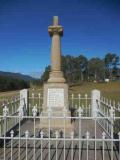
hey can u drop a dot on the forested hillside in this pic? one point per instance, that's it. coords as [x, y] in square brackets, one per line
[80, 68]
[8, 83]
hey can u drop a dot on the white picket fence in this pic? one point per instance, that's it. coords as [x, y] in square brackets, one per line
[94, 119]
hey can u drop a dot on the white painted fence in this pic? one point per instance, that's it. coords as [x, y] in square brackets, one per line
[94, 123]
[32, 137]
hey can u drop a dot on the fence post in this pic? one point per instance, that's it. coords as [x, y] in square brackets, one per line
[24, 101]
[11, 134]
[95, 102]
[0, 127]
[56, 135]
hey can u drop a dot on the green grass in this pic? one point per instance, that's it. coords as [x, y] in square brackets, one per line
[109, 90]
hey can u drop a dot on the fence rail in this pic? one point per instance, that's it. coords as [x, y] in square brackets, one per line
[31, 138]
[94, 135]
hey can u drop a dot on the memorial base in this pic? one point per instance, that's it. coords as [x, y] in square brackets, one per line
[56, 109]
[56, 123]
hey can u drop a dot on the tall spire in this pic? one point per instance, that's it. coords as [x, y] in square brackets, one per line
[56, 31]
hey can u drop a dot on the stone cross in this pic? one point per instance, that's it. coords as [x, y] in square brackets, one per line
[55, 21]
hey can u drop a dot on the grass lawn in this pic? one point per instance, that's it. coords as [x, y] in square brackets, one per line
[9, 94]
[109, 90]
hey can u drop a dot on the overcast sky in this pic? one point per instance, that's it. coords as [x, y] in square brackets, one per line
[91, 28]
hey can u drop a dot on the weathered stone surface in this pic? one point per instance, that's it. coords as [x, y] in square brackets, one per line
[55, 86]
[56, 32]
[55, 96]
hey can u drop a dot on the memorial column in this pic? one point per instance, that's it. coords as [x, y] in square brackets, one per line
[56, 31]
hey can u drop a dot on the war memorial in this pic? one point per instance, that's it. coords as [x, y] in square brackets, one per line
[39, 125]
[55, 96]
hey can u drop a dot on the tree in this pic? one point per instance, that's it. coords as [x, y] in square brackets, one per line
[96, 69]
[7, 83]
[112, 62]
[77, 69]
[68, 68]
[82, 66]
[45, 75]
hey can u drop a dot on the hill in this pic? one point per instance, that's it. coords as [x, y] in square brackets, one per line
[16, 76]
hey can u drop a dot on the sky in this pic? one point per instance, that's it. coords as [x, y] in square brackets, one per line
[91, 28]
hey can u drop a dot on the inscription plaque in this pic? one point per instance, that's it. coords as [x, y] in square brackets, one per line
[55, 97]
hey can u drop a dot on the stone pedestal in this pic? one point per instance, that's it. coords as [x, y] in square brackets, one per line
[56, 106]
